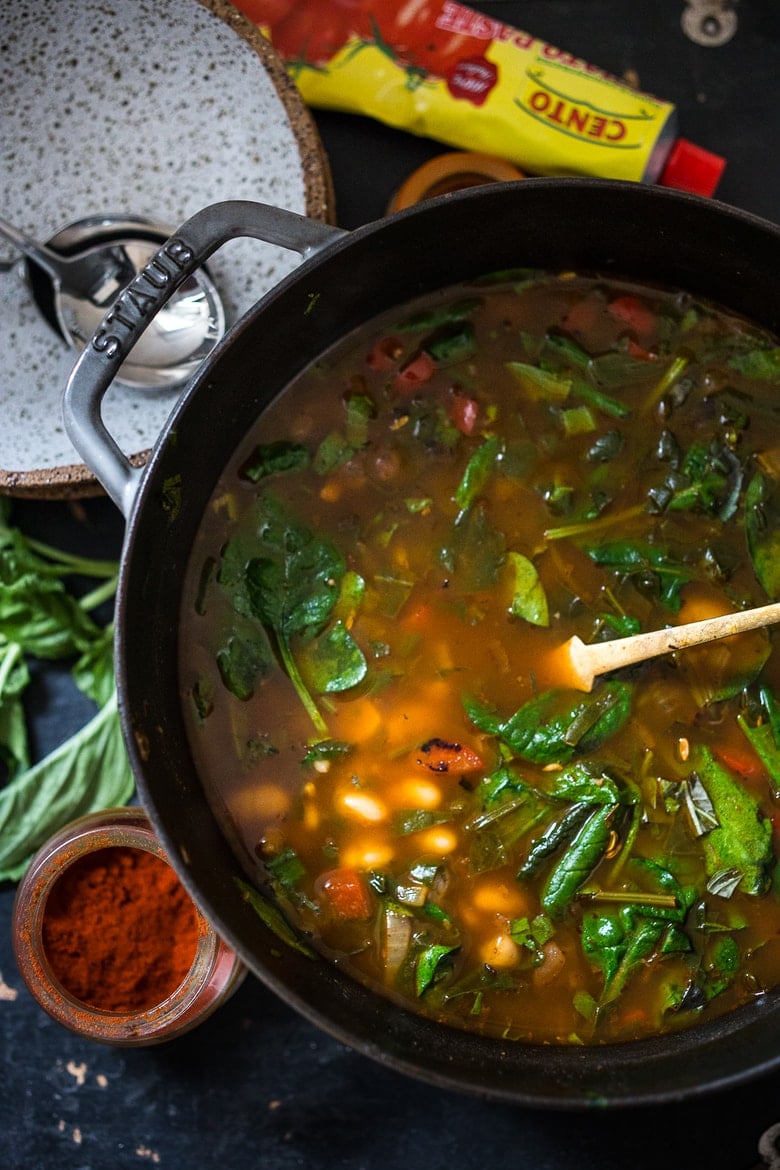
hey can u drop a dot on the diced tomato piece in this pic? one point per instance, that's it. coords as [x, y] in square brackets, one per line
[464, 412]
[743, 762]
[417, 618]
[633, 313]
[582, 315]
[640, 353]
[444, 755]
[415, 373]
[385, 354]
[347, 893]
[268, 12]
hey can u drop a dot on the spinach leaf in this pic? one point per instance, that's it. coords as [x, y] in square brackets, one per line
[719, 968]
[333, 662]
[292, 588]
[762, 526]
[429, 965]
[243, 660]
[559, 723]
[758, 363]
[743, 838]
[529, 600]
[711, 480]
[340, 445]
[475, 552]
[639, 944]
[269, 458]
[617, 946]
[477, 472]
[453, 345]
[647, 562]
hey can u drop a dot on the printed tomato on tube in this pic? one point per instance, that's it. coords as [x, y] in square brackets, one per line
[441, 70]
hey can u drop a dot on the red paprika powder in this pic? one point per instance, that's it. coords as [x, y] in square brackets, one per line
[109, 942]
[119, 930]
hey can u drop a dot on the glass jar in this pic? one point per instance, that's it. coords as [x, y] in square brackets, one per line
[215, 973]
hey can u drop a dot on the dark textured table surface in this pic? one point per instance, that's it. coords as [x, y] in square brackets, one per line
[256, 1086]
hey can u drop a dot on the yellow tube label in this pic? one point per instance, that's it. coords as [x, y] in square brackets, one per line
[481, 85]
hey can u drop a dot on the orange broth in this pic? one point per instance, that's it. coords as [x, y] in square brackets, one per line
[368, 665]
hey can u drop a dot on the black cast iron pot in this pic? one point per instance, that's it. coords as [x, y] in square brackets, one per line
[345, 279]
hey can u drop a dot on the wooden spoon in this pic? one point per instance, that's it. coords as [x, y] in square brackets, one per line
[586, 662]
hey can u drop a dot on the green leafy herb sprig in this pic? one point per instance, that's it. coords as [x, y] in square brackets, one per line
[42, 618]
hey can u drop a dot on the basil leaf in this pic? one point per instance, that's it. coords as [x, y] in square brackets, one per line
[14, 678]
[578, 862]
[543, 730]
[273, 918]
[557, 834]
[89, 771]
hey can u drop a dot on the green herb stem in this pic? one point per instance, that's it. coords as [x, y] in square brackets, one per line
[98, 595]
[587, 527]
[667, 380]
[83, 566]
[627, 898]
[294, 674]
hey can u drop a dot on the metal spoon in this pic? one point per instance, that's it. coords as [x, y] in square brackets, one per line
[78, 275]
[583, 662]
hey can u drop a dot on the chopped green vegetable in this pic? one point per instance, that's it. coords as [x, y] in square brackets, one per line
[529, 600]
[743, 838]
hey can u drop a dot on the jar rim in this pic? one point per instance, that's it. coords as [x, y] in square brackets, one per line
[112, 828]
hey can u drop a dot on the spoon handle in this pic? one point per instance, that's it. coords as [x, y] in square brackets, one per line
[48, 261]
[588, 661]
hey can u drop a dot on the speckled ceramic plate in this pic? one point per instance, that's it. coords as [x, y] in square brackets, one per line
[153, 108]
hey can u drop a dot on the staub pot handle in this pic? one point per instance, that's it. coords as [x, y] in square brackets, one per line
[137, 305]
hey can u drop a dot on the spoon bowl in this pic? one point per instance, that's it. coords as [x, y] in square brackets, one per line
[77, 275]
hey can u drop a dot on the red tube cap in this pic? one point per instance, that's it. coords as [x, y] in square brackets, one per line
[691, 168]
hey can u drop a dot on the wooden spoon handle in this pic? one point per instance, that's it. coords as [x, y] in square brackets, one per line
[589, 661]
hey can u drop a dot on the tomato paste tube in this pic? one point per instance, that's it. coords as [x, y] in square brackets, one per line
[441, 70]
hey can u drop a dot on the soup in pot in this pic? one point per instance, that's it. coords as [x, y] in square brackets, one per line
[373, 683]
